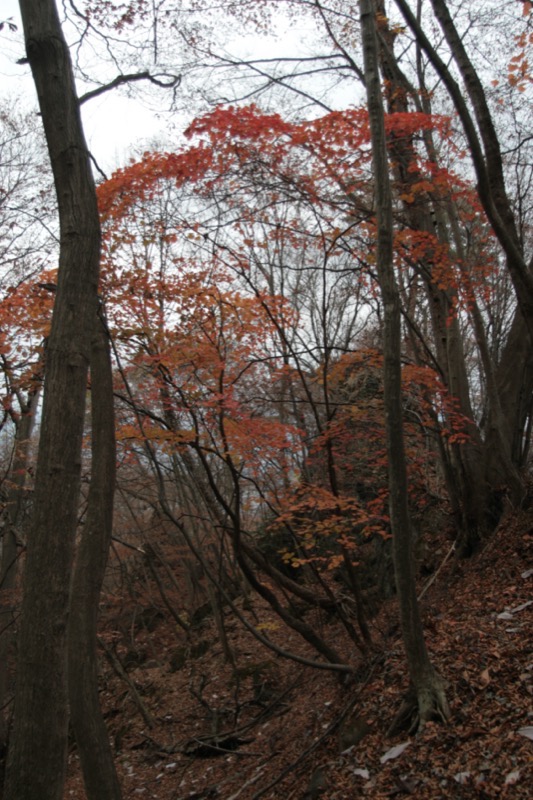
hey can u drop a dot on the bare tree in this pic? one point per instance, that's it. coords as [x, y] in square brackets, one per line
[429, 700]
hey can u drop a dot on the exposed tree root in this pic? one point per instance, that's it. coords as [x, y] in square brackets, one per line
[426, 704]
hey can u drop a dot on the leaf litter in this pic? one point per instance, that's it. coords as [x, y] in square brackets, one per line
[288, 743]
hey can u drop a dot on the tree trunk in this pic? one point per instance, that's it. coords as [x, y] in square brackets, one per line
[514, 379]
[100, 778]
[14, 517]
[427, 685]
[37, 751]
[484, 148]
[482, 463]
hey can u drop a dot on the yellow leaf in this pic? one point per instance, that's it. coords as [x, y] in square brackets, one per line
[267, 626]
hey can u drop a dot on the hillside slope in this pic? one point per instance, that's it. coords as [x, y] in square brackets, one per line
[188, 725]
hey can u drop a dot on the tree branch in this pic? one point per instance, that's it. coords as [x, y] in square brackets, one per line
[165, 80]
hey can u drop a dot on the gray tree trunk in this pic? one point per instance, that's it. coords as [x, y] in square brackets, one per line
[37, 750]
[428, 691]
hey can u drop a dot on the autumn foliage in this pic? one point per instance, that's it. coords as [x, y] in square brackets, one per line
[222, 351]
[287, 381]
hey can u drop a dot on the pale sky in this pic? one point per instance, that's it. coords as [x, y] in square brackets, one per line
[115, 124]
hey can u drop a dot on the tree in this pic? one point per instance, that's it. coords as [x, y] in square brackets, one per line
[23, 311]
[485, 470]
[96, 757]
[236, 304]
[28, 231]
[510, 395]
[484, 148]
[172, 213]
[427, 685]
[28, 245]
[219, 369]
[37, 751]
[474, 481]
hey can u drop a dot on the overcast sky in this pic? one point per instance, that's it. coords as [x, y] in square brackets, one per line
[114, 124]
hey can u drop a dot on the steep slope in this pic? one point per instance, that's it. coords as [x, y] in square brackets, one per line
[188, 724]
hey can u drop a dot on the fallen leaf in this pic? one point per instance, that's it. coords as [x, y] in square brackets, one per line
[485, 677]
[394, 752]
[362, 773]
[527, 732]
[521, 607]
[512, 777]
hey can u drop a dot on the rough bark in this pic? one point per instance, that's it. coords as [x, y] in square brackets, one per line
[427, 685]
[514, 379]
[99, 775]
[37, 751]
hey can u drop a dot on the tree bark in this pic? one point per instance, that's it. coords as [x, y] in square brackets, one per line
[99, 774]
[37, 751]
[514, 379]
[11, 540]
[428, 686]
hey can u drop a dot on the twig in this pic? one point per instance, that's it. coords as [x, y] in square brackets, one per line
[164, 79]
[435, 574]
[121, 672]
[249, 782]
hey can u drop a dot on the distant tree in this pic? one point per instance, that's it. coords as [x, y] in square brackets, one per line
[505, 432]
[24, 312]
[279, 216]
[15, 499]
[28, 250]
[450, 324]
[28, 227]
[28, 245]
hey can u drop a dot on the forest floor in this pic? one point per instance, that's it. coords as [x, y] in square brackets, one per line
[285, 730]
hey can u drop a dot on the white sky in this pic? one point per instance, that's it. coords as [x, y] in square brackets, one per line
[114, 124]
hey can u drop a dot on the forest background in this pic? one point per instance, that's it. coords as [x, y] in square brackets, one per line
[302, 335]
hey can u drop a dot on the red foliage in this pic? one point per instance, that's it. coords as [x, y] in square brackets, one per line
[202, 342]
